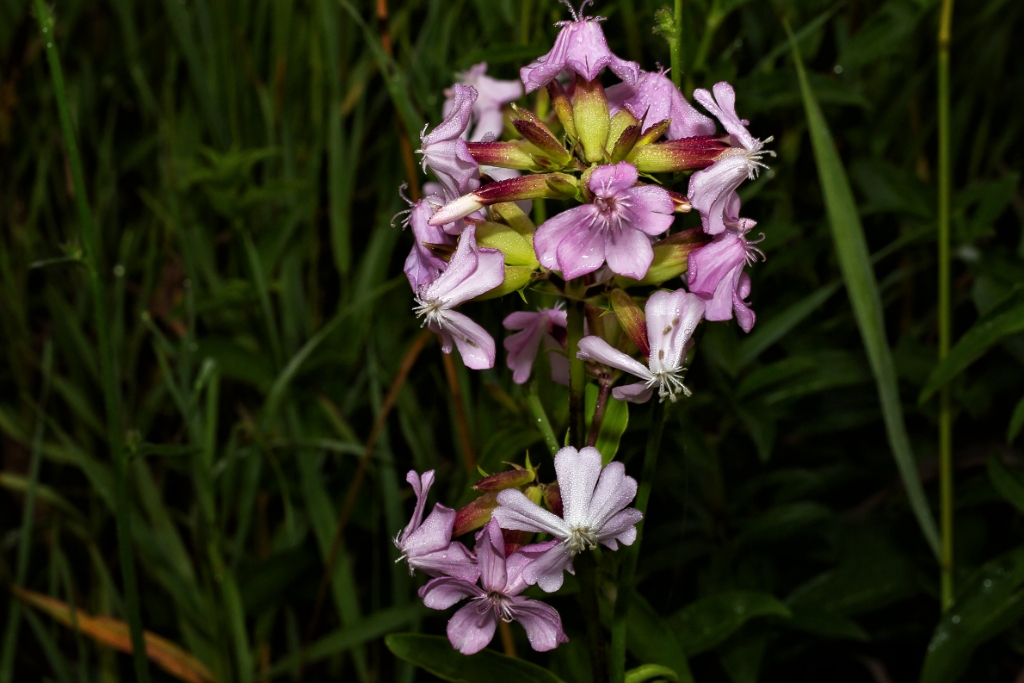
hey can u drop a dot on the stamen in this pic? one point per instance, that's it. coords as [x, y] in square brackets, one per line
[580, 538]
[670, 384]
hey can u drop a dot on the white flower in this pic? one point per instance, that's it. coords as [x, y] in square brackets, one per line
[593, 503]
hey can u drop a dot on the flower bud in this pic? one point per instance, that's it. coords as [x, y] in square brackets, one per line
[516, 277]
[625, 142]
[475, 514]
[563, 108]
[518, 250]
[590, 114]
[499, 481]
[632, 319]
[517, 154]
[671, 257]
[514, 217]
[684, 154]
[534, 130]
[539, 186]
[553, 499]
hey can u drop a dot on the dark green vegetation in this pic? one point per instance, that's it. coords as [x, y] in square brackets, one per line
[241, 162]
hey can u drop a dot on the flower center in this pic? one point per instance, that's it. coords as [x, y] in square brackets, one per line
[499, 602]
[669, 383]
[431, 311]
[580, 538]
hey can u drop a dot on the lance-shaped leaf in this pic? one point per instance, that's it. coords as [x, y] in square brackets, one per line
[563, 108]
[632, 319]
[671, 256]
[518, 250]
[114, 633]
[540, 186]
[684, 154]
[535, 132]
[517, 154]
[590, 114]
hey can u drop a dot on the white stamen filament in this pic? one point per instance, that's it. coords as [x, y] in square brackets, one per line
[669, 383]
[499, 602]
[580, 538]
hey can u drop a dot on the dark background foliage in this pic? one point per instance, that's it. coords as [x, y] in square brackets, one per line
[242, 161]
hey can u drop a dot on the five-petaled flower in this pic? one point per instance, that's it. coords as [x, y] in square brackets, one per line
[426, 544]
[496, 598]
[594, 500]
[614, 227]
[471, 272]
[671, 320]
[534, 327]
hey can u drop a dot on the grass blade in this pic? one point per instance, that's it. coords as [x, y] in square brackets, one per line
[862, 287]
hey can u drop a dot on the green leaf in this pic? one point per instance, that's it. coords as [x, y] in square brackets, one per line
[869, 580]
[852, 250]
[825, 624]
[613, 424]
[652, 639]
[436, 655]
[988, 605]
[1008, 482]
[651, 672]
[707, 622]
[1005, 318]
[1016, 422]
[782, 521]
[777, 326]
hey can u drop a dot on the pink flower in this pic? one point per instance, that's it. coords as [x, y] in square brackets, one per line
[422, 266]
[522, 346]
[471, 272]
[427, 544]
[715, 271]
[594, 501]
[580, 48]
[671, 319]
[711, 189]
[654, 99]
[445, 152]
[492, 94]
[498, 597]
[614, 227]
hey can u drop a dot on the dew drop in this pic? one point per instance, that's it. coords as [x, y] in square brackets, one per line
[955, 619]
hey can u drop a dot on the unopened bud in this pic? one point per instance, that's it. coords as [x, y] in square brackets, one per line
[590, 113]
[514, 217]
[632, 319]
[535, 132]
[476, 514]
[563, 108]
[499, 481]
[516, 154]
[680, 203]
[684, 154]
[539, 186]
[670, 257]
[553, 499]
[518, 250]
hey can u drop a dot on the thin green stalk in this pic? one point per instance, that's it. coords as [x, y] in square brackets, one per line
[27, 516]
[627, 573]
[676, 45]
[91, 257]
[586, 574]
[541, 419]
[577, 374]
[945, 410]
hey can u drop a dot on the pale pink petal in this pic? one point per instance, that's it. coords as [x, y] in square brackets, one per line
[433, 534]
[621, 526]
[522, 346]
[542, 623]
[470, 630]
[455, 561]
[716, 261]
[711, 189]
[744, 315]
[612, 180]
[577, 472]
[489, 125]
[581, 251]
[651, 208]
[671, 319]
[518, 561]
[420, 486]
[597, 349]
[640, 392]
[559, 362]
[552, 231]
[517, 512]
[443, 592]
[476, 346]
[457, 119]
[615, 490]
[546, 570]
[490, 557]
[629, 252]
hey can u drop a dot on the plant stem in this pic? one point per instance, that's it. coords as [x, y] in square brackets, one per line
[91, 258]
[541, 418]
[599, 410]
[586, 574]
[577, 374]
[627, 573]
[945, 409]
[676, 45]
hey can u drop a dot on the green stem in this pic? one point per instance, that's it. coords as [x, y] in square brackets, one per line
[945, 408]
[586, 574]
[627, 573]
[676, 46]
[577, 374]
[91, 258]
[541, 419]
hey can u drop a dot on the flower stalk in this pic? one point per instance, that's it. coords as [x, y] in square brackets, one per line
[577, 373]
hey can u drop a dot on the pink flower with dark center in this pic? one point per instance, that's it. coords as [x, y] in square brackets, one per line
[488, 121]
[547, 325]
[496, 598]
[445, 152]
[471, 272]
[654, 99]
[580, 48]
[710, 189]
[671, 319]
[615, 227]
[715, 271]
[427, 544]
[594, 500]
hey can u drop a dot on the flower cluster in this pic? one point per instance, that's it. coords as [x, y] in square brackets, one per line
[600, 274]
